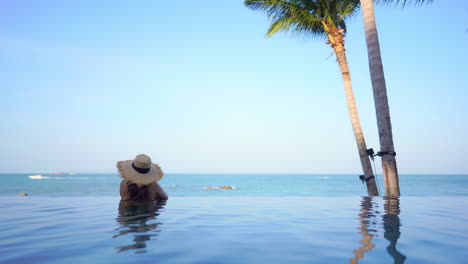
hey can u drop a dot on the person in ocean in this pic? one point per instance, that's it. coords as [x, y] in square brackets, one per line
[140, 180]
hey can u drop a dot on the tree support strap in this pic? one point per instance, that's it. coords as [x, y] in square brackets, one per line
[363, 178]
[371, 154]
[381, 153]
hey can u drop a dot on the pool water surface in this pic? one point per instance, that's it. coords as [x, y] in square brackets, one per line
[235, 230]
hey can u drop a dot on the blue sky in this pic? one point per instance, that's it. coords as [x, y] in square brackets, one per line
[198, 87]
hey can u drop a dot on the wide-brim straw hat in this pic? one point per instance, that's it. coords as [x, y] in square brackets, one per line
[140, 171]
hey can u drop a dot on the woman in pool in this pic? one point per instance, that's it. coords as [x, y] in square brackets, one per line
[140, 178]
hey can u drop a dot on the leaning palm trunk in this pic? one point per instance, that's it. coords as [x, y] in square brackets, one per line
[381, 102]
[337, 43]
[321, 18]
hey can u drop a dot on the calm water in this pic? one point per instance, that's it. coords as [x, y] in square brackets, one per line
[235, 230]
[266, 219]
[246, 185]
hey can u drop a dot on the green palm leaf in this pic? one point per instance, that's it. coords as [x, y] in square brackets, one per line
[305, 16]
[402, 2]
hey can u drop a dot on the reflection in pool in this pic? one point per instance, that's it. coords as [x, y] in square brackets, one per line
[232, 230]
[138, 219]
[391, 223]
[368, 229]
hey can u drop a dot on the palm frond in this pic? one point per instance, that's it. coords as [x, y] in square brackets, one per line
[403, 3]
[305, 16]
[343, 25]
[288, 15]
[305, 25]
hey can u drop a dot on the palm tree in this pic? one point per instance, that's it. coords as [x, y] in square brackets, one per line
[387, 150]
[322, 18]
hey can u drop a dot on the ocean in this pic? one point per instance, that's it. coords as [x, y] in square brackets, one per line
[253, 185]
[275, 218]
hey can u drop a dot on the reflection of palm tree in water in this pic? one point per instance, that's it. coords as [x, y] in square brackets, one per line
[391, 225]
[365, 216]
[132, 219]
[391, 222]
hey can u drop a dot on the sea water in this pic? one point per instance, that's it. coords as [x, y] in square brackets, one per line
[265, 219]
[243, 184]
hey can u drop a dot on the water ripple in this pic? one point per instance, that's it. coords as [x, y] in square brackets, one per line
[235, 230]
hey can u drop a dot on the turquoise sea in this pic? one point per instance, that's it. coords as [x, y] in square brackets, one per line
[183, 185]
[266, 219]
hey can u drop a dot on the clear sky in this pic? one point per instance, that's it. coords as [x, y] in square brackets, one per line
[198, 87]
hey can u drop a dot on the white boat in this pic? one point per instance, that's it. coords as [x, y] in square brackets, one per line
[38, 176]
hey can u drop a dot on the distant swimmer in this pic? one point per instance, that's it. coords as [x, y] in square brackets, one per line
[22, 194]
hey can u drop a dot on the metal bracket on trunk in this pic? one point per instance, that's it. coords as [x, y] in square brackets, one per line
[371, 154]
[381, 153]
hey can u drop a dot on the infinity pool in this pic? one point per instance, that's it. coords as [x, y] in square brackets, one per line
[235, 230]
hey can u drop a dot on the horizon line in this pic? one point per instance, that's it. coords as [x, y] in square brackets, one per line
[230, 173]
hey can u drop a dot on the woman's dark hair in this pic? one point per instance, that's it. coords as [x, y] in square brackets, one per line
[138, 193]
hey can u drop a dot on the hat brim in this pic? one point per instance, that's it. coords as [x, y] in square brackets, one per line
[127, 172]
